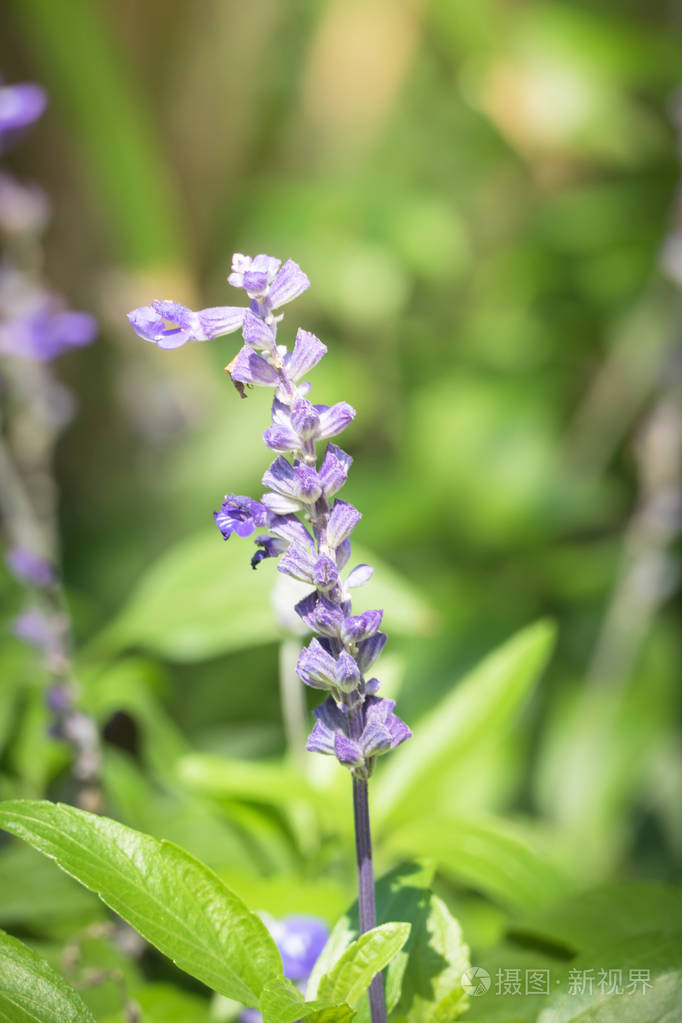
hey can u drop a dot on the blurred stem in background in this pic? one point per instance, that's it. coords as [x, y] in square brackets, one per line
[90, 80]
[638, 388]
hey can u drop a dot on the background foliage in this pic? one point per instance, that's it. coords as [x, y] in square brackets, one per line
[479, 193]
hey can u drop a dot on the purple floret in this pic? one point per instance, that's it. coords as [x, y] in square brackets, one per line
[240, 515]
[171, 325]
[383, 730]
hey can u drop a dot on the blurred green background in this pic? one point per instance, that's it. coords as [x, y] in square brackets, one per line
[479, 193]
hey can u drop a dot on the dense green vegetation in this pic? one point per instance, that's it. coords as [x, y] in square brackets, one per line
[480, 193]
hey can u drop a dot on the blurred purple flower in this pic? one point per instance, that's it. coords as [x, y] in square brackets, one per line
[29, 567]
[300, 939]
[20, 106]
[44, 329]
[34, 627]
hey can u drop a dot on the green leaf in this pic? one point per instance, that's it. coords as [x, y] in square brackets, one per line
[483, 704]
[173, 900]
[607, 915]
[423, 981]
[401, 894]
[432, 989]
[282, 1002]
[220, 605]
[656, 1000]
[32, 992]
[516, 863]
[34, 896]
[164, 1003]
[354, 971]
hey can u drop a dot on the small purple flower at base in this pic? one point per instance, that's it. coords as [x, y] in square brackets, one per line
[300, 939]
[383, 730]
[240, 515]
[29, 567]
[170, 325]
[20, 106]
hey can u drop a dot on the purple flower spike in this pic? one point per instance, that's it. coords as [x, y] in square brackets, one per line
[240, 515]
[342, 521]
[307, 527]
[20, 106]
[171, 325]
[30, 567]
